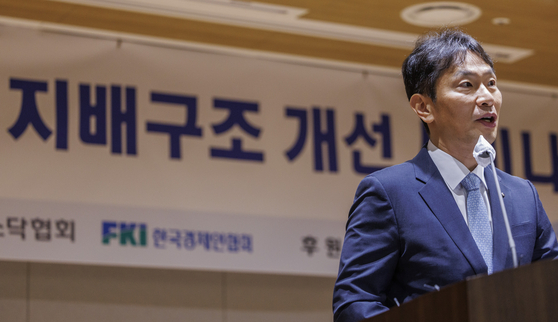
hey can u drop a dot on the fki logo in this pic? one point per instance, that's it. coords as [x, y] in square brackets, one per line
[127, 233]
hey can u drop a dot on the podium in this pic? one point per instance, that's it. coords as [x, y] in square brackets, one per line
[526, 293]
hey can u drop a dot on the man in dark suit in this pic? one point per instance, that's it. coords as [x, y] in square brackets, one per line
[412, 227]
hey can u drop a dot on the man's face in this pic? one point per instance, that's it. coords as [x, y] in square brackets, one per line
[467, 105]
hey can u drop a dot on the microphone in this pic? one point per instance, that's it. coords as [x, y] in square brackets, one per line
[484, 153]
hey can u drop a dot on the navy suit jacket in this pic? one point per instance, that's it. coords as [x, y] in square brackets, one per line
[405, 235]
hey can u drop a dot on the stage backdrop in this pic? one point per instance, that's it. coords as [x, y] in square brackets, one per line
[122, 150]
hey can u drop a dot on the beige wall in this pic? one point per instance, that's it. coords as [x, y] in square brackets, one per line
[36, 292]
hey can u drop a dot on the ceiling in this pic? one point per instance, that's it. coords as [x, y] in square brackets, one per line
[533, 25]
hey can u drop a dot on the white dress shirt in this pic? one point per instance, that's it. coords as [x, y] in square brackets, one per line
[453, 172]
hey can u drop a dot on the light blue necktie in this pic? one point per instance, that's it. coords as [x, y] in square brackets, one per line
[477, 215]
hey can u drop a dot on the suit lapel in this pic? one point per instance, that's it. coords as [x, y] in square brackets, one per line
[439, 199]
[501, 244]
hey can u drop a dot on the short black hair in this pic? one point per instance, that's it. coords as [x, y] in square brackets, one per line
[434, 53]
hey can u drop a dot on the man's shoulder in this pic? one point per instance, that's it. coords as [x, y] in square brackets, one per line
[406, 170]
[504, 176]
[395, 175]
[512, 181]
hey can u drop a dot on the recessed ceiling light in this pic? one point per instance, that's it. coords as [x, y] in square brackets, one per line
[501, 21]
[440, 14]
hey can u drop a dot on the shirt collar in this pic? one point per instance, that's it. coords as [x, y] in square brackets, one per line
[452, 170]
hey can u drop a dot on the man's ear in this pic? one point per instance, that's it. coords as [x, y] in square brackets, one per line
[422, 105]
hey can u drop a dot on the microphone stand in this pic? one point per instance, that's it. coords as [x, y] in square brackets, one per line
[506, 221]
[484, 153]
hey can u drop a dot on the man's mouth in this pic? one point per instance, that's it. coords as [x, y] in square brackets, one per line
[488, 119]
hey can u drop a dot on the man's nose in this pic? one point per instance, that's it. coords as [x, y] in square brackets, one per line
[485, 96]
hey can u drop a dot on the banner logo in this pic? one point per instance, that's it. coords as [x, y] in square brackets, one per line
[125, 233]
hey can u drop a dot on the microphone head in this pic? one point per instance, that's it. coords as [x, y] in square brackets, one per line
[484, 153]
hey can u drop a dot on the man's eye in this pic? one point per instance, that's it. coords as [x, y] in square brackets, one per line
[492, 83]
[466, 84]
